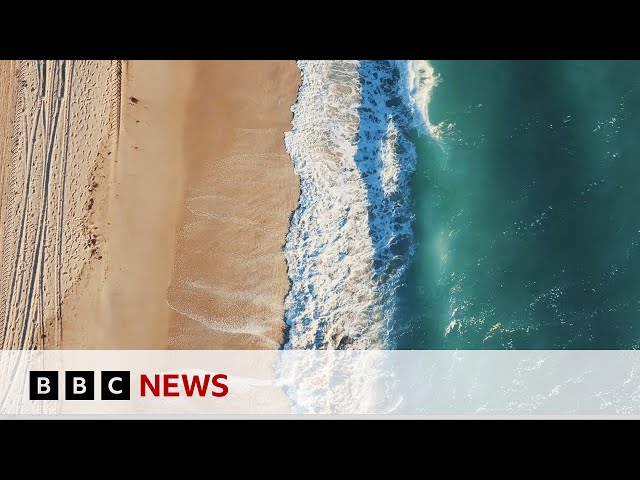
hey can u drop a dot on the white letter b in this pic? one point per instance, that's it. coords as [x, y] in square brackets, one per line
[79, 385]
[43, 385]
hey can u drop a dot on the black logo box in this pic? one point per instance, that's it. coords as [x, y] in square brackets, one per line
[80, 385]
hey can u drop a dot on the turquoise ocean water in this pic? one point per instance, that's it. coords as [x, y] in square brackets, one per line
[527, 226]
[466, 205]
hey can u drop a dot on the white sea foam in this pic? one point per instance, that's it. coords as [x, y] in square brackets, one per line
[390, 168]
[339, 382]
[420, 80]
[248, 326]
[350, 239]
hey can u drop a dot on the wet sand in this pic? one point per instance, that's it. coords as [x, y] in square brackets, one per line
[230, 279]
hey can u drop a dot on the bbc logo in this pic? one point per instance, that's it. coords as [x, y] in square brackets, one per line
[80, 385]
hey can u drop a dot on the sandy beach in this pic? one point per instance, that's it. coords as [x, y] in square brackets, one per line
[60, 138]
[145, 203]
[8, 96]
[230, 279]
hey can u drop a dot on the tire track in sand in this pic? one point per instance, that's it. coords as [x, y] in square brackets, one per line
[63, 120]
[115, 94]
[29, 150]
[38, 257]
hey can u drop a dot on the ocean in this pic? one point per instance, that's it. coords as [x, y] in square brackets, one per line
[465, 205]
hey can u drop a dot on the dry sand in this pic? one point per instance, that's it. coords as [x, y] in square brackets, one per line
[145, 187]
[147, 197]
[60, 137]
[144, 203]
[8, 97]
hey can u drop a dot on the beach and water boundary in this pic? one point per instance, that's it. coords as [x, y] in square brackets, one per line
[204, 205]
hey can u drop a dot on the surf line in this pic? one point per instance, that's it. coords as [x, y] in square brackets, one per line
[350, 239]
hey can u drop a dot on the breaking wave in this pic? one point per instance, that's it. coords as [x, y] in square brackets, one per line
[351, 238]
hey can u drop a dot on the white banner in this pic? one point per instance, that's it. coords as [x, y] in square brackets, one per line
[320, 382]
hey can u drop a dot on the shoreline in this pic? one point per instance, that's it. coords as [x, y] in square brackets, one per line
[230, 276]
